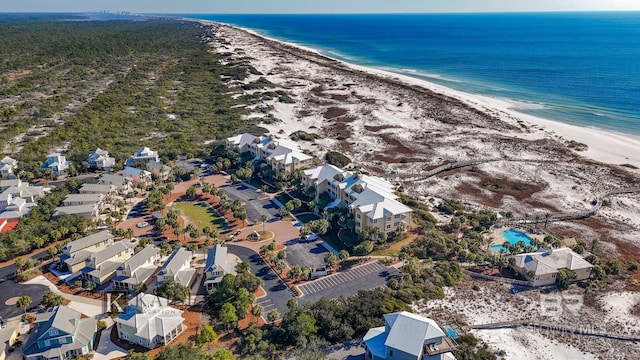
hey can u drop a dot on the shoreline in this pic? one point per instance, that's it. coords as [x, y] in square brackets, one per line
[605, 146]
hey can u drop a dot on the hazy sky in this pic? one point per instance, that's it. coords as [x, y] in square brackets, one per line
[312, 6]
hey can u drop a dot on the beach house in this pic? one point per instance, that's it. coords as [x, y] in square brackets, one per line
[149, 321]
[280, 154]
[17, 198]
[101, 266]
[57, 163]
[83, 199]
[136, 175]
[177, 268]
[60, 333]
[104, 189]
[100, 159]
[542, 267]
[89, 212]
[8, 167]
[369, 198]
[121, 184]
[143, 155]
[76, 252]
[407, 336]
[138, 269]
[8, 337]
[159, 170]
[217, 266]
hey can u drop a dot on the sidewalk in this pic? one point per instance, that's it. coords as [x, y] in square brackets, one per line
[106, 349]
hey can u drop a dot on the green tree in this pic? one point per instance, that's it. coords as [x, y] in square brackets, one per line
[24, 302]
[183, 352]
[207, 336]
[51, 299]
[90, 285]
[132, 355]
[228, 316]
[565, 277]
[191, 192]
[140, 288]
[273, 315]
[173, 291]
[223, 354]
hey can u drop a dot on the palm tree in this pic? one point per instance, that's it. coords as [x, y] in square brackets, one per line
[257, 311]
[263, 217]
[24, 302]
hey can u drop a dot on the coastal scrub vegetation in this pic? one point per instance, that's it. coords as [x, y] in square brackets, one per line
[117, 85]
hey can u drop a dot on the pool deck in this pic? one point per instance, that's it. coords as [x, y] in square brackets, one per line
[495, 234]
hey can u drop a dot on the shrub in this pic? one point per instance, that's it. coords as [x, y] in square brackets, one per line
[337, 159]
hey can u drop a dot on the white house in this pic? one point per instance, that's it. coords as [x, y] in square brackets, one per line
[217, 266]
[149, 321]
[138, 269]
[177, 268]
[100, 159]
[8, 167]
[136, 175]
[143, 155]
[407, 336]
[280, 154]
[101, 266]
[57, 163]
[369, 198]
[542, 267]
[60, 333]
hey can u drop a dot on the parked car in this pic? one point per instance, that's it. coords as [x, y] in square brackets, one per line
[311, 237]
[142, 224]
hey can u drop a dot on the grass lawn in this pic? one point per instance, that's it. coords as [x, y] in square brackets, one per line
[201, 216]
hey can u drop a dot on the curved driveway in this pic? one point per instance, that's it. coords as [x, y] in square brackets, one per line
[277, 291]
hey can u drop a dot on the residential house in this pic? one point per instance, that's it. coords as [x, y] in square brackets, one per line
[60, 333]
[100, 159]
[83, 199]
[76, 252]
[8, 337]
[217, 266]
[542, 267]
[14, 208]
[57, 163]
[369, 198]
[8, 167]
[406, 336]
[97, 189]
[136, 175]
[149, 321]
[7, 224]
[18, 189]
[101, 266]
[280, 154]
[138, 269]
[159, 170]
[89, 212]
[121, 184]
[144, 155]
[177, 268]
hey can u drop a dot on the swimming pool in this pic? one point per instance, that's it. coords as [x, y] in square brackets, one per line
[513, 236]
[452, 333]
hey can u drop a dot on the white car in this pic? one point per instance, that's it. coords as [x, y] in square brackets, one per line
[142, 224]
[311, 237]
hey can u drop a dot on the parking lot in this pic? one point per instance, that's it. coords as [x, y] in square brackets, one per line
[255, 207]
[348, 282]
[310, 254]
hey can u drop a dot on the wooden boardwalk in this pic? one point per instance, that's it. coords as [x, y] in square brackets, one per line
[587, 331]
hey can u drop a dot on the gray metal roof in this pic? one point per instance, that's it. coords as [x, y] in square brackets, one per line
[408, 332]
[111, 251]
[88, 241]
[175, 262]
[140, 258]
[101, 188]
[83, 197]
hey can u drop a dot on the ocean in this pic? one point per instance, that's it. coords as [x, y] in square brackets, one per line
[578, 68]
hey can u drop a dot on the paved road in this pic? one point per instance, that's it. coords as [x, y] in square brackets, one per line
[310, 254]
[277, 291]
[255, 207]
[348, 282]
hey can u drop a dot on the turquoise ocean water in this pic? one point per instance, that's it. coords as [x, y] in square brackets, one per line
[579, 68]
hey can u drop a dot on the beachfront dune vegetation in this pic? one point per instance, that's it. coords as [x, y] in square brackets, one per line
[117, 85]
